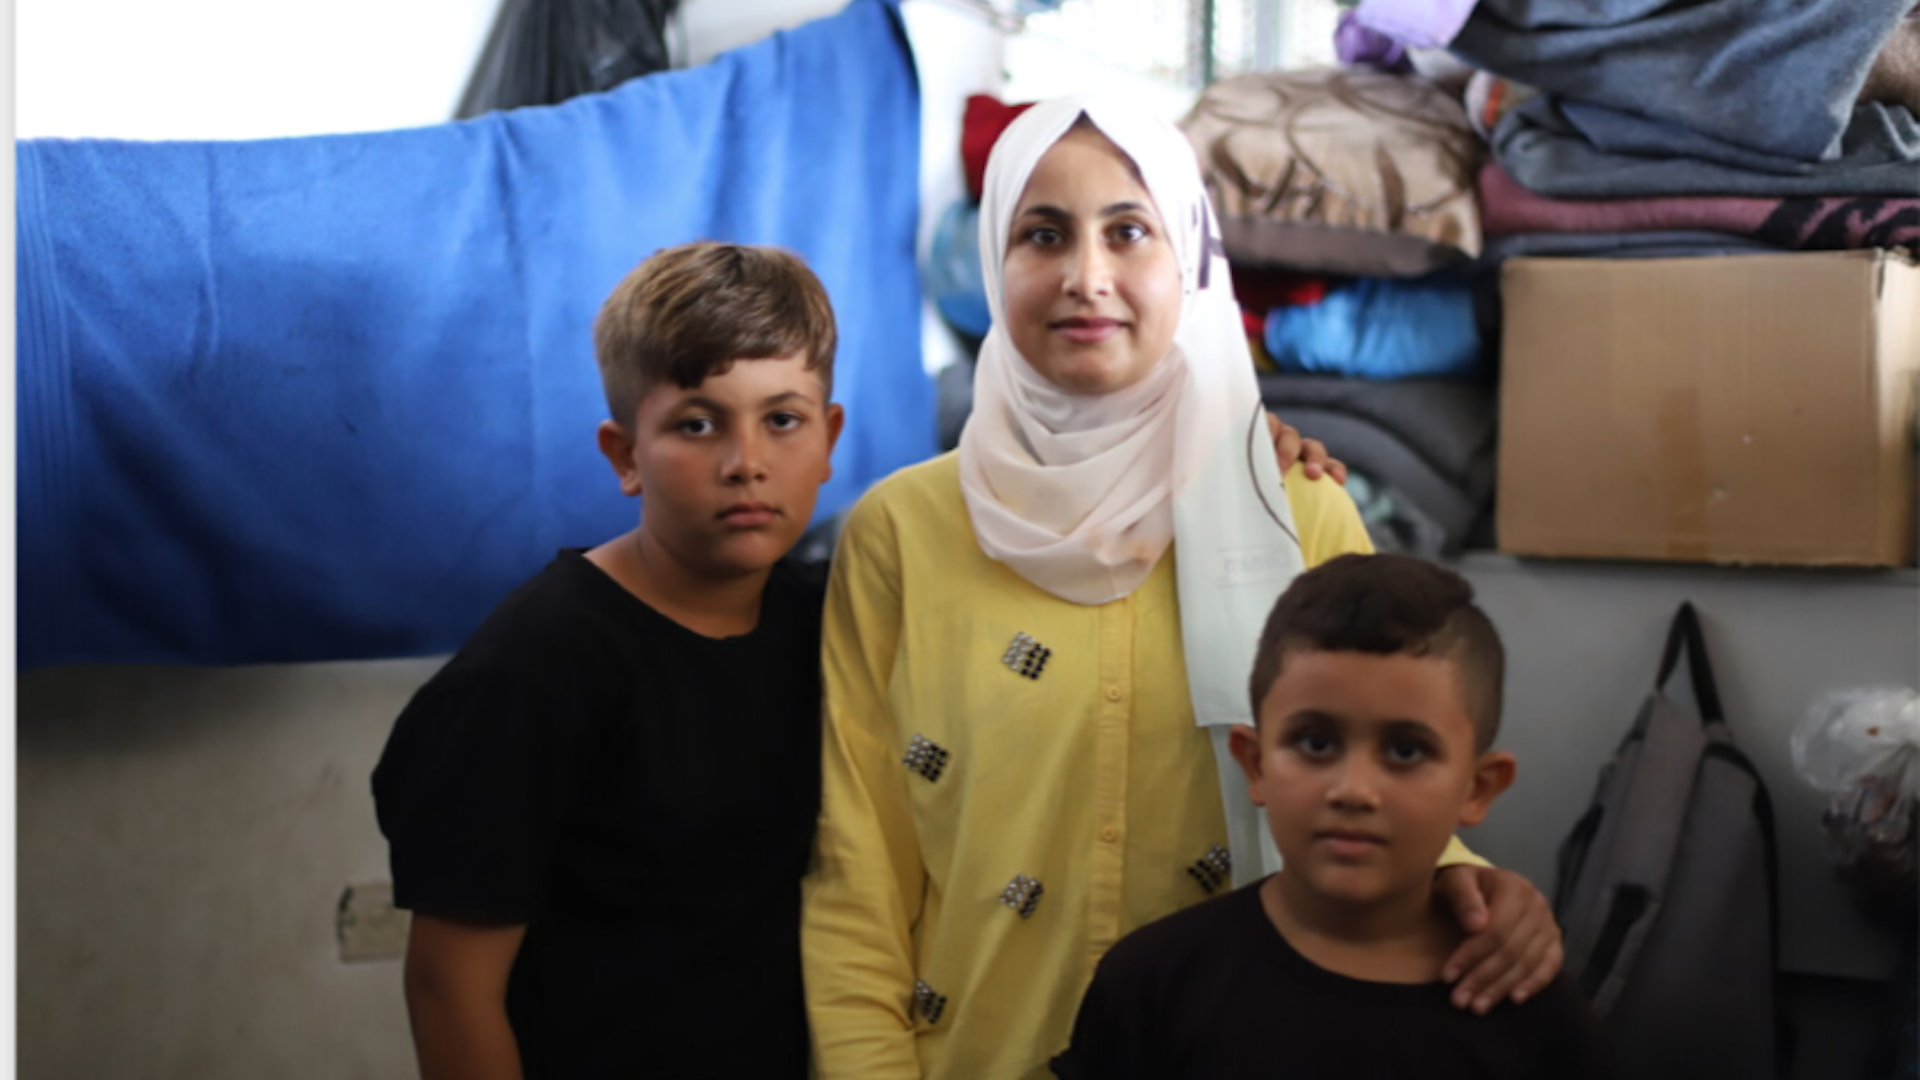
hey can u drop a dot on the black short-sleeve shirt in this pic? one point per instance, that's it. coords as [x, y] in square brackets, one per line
[643, 798]
[1215, 993]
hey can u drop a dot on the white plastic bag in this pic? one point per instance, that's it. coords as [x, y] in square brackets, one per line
[1862, 746]
[1852, 735]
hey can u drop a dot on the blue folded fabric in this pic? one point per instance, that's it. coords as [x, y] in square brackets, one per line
[1385, 328]
[329, 398]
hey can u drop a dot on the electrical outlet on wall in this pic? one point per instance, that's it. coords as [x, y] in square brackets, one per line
[370, 927]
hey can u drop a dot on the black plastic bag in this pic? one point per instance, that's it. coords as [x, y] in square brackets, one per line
[542, 52]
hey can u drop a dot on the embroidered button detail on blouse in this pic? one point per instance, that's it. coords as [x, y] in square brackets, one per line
[1027, 656]
[926, 757]
[930, 1004]
[1022, 894]
[1213, 869]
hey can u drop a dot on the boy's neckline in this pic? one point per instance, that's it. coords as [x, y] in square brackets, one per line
[722, 613]
[1413, 956]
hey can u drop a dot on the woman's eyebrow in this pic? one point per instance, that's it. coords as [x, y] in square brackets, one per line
[1051, 213]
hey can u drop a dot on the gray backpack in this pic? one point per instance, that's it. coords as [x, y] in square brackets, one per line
[1666, 890]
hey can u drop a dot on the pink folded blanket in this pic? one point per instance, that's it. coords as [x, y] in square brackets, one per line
[1812, 223]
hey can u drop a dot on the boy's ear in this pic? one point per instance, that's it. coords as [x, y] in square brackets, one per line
[616, 445]
[836, 421]
[1244, 743]
[1492, 774]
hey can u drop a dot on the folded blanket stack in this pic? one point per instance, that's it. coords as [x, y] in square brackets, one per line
[1347, 209]
[1631, 129]
[1786, 122]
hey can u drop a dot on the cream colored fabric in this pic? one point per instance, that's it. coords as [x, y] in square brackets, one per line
[1074, 492]
[1090, 779]
[1339, 172]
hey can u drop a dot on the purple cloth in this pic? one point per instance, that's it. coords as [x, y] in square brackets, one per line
[1356, 46]
[1420, 24]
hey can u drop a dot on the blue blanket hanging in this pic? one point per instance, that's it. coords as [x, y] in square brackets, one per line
[330, 398]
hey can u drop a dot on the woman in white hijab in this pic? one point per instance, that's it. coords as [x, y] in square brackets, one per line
[1034, 647]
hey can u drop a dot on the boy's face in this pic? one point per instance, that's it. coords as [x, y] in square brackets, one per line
[729, 469]
[1366, 765]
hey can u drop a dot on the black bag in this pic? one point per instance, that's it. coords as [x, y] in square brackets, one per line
[1667, 891]
[544, 52]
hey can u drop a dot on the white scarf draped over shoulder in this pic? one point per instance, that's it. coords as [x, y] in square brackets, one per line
[1082, 494]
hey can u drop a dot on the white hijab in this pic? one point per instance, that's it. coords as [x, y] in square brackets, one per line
[1082, 494]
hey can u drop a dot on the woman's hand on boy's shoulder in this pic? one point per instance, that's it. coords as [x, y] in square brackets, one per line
[1513, 948]
[1289, 447]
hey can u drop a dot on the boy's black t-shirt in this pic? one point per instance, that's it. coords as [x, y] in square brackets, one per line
[642, 798]
[1215, 993]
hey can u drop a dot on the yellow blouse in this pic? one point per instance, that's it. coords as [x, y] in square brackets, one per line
[1011, 783]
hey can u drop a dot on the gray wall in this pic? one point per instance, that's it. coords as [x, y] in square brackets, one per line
[1583, 641]
[184, 839]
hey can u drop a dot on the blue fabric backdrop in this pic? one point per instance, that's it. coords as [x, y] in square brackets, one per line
[329, 398]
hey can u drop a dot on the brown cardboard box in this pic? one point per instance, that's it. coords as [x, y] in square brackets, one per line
[1744, 409]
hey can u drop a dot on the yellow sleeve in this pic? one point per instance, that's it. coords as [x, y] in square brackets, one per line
[1328, 522]
[1330, 525]
[1457, 854]
[863, 895]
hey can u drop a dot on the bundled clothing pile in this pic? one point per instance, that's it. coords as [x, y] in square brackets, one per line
[1661, 127]
[1367, 208]
[1347, 210]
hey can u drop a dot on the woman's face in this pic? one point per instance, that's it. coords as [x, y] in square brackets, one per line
[1092, 284]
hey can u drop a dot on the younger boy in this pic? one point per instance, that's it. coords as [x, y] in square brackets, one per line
[600, 809]
[1377, 694]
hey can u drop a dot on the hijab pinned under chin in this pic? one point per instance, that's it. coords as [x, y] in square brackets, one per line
[1083, 494]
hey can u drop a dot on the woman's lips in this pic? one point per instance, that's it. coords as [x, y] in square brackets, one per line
[1087, 331]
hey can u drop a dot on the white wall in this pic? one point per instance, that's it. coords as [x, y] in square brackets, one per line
[249, 69]
[240, 69]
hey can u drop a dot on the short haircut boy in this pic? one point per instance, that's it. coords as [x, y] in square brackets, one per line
[599, 810]
[688, 312]
[1387, 605]
[1372, 755]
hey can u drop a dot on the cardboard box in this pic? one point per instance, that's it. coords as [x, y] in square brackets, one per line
[1742, 409]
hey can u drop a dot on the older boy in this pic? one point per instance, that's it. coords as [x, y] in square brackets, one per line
[600, 809]
[1377, 693]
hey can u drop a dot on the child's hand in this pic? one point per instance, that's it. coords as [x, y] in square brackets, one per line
[1290, 446]
[1513, 945]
